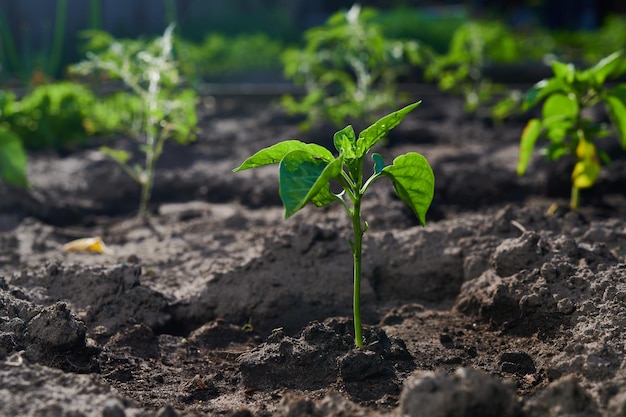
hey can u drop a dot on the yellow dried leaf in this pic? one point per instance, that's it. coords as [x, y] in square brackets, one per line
[87, 244]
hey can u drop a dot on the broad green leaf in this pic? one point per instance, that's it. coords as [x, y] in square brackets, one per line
[414, 182]
[379, 163]
[559, 106]
[527, 144]
[320, 193]
[615, 100]
[560, 112]
[564, 71]
[543, 89]
[119, 155]
[275, 153]
[12, 159]
[345, 142]
[557, 129]
[370, 136]
[303, 177]
[607, 67]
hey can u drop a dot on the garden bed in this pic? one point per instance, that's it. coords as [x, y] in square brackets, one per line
[503, 305]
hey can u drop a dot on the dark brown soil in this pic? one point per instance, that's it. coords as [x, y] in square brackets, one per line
[505, 304]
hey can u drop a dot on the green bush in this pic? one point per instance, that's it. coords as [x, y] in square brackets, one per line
[348, 69]
[52, 116]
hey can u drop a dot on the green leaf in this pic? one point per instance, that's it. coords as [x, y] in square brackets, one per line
[559, 106]
[414, 182]
[560, 112]
[120, 156]
[543, 89]
[379, 163]
[303, 177]
[12, 159]
[275, 153]
[527, 144]
[370, 136]
[615, 100]
[564, 71]
[345, 142]
[609, 66]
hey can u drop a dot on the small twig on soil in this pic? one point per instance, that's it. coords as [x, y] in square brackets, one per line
[519, 226]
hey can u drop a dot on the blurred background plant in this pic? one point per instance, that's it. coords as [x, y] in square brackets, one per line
[52, 116]
[473, 47]
[157, 110]
[349, 69]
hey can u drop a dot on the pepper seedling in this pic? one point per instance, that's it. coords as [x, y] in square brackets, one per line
[307, 169]
[566, 95]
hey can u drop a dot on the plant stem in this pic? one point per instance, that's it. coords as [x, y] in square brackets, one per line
[59, 32]
[574, 201]
[95, 14]
[146, 186]
[357, 249]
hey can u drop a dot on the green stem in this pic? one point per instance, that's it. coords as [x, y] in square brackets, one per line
[574, 201]
[95, 14]
[146, 184]
[357, 248]
[9, 45]
[59, 32]
[170, 11]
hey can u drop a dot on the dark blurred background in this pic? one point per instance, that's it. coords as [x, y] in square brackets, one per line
[30, 29]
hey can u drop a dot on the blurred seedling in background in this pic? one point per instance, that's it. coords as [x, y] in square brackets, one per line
[565, 97]
[306, 171]
[150, 70]
[473, 47]
[348, 68]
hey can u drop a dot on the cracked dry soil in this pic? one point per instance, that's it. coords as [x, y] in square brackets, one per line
[500, 306]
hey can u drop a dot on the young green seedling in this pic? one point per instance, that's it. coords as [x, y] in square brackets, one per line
[567, 94]
[306, 170]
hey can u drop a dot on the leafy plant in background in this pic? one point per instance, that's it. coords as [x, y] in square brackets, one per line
[150, 71]
[306, 171]
[474, 45]
[52, 116]
[348, 69]
[566, 97]
[12, 159]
